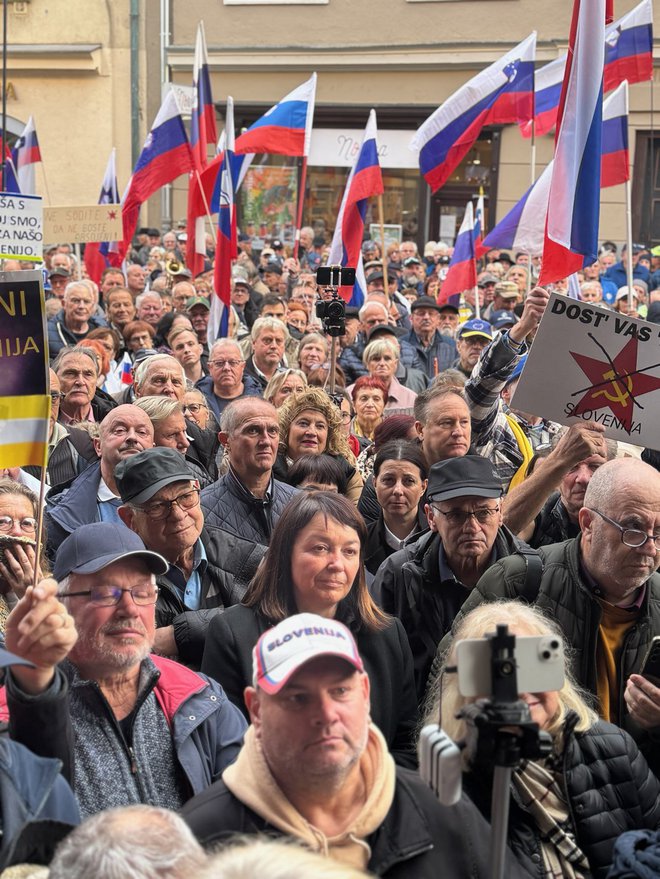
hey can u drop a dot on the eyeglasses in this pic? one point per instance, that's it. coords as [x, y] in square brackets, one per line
[460, 517]
[632, 537]
[162, 509]
[28, 525]
[110, 596]
[55, 396]
[345, 417]
[232, 364]
[194, 407]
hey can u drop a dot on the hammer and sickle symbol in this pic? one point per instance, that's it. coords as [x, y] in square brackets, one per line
[620, 394]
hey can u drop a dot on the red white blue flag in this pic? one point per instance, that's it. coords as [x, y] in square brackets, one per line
[462, 271]
[24, 156]
[503, 92]
[629, 47]
[285, 129]
[571, 237]
[203, 133]
[101, 254]
[479, 226]
[166, 155]
[547, 91]
[364, 181]
[523, 228]
[615, 161]
[226, 248]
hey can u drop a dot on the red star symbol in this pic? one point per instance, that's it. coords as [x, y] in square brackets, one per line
[616, 386]
[112, 215]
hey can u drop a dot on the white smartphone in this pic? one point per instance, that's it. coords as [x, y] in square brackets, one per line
[539, 665]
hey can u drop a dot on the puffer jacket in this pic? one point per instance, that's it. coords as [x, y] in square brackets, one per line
[59, 336]
[608, 788]
[419, 838]
[565, 597]
[408, 586]
[227, 504]
[231, 562]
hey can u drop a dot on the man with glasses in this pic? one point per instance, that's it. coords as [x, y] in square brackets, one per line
[227, 380]
[93, 495]
[130, 726]
[208, 568]
[603, 590]
[426, 583]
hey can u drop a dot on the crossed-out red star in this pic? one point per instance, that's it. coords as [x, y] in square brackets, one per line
[615, 386]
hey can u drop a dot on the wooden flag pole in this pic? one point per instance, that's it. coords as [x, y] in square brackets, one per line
[299, 208]
[206, 204]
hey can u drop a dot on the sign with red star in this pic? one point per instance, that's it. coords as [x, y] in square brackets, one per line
[616, 384]
[588, 363]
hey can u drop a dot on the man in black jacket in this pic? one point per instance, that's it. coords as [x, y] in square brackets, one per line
[209, 569]
[247, 500]
[313, 767]
[426, 583]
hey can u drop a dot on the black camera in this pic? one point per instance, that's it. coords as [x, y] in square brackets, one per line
[332, 314]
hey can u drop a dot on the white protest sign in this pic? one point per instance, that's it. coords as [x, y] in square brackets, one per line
[82, 223]
[21, 227]
[591, 364]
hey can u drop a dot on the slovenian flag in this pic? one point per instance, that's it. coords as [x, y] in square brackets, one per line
[166, 155]
[571, 238]
[24, 156]
[203, 133]
[101, 254]
[462, 271]
[502, 93]
[364, 181]
[226, 248]
[629, 47]
[615, 162]
[547, 91]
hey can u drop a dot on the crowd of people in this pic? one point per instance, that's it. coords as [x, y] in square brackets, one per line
[251, 583]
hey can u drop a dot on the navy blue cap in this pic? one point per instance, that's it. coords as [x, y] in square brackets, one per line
[501, 318]
[475, 327]
[90, 548]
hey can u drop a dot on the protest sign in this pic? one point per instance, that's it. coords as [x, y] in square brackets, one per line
[82, 223]
[24, 396]
[591, 364]
[20, 227]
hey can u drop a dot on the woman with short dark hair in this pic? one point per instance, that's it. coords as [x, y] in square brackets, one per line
[314, 564]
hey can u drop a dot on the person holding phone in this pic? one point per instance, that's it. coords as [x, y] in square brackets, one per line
[567, 809]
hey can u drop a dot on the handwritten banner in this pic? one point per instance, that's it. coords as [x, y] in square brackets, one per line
[21, 221]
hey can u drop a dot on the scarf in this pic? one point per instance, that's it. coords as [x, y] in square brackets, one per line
[542, 798]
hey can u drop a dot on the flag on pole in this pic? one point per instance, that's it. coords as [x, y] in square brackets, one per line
[226, 248]
[101, 254]
[203, 133]
[11, 178]
[166, 155]
[364, 181]
[462, 271]
[523, 228]
[479, 225]
[615, 162]
[502, 93]
[571, 238]
[629, 47]
[285, 129]
[547, 91]
[24, 156]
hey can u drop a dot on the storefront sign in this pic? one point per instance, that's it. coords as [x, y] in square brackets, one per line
[338, 147]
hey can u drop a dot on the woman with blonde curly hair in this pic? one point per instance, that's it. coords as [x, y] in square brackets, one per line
[566, 809]
[310, 423]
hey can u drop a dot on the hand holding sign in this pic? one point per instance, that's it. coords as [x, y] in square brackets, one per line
[535, 305]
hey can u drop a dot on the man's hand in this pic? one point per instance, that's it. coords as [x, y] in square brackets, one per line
[41, 630]
[535, 304]
[643, 701]
[581, 441]
[164, 643]
[17, 569]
